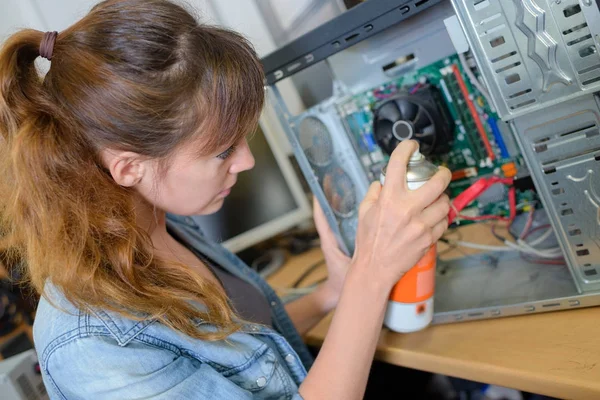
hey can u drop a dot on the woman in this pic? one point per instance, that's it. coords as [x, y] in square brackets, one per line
[143, 113]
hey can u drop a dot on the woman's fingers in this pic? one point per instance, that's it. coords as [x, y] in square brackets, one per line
[439, 229]
[370, 199]
[434, 187]
[395, 175]
[437, 211]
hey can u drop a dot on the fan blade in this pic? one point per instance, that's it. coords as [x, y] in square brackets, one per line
[427, 132]
[427, 139]
[383, 129]
[408, 109]
[385, 137]
[389, 111]
[421, 120]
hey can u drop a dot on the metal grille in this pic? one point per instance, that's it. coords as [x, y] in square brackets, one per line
[316, 142]
[340, 192]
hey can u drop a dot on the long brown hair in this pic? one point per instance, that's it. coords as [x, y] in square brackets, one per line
[133, 75]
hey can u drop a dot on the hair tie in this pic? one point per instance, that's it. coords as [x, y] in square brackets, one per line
[47, 45]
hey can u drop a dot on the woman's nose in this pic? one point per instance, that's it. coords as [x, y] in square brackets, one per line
[244, 160]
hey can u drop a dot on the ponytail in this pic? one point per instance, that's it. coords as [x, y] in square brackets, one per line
[20, 85]
[61, 213]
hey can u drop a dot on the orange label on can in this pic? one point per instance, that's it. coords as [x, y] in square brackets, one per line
[418, 284]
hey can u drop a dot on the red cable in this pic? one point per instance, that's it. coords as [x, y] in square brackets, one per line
[474, 191]
[473, 110]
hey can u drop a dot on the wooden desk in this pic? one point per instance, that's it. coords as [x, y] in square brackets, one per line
[555, 354]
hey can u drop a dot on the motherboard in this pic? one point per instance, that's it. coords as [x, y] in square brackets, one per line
[444, 108]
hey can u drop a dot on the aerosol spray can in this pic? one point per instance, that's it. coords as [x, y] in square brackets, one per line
[410, 306]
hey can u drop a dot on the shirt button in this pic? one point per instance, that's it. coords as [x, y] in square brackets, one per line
[254, 328]
[261, 382]
[290, 358]
[273, 303]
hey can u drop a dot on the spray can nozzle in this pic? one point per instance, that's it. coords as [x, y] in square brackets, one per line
[416, 157]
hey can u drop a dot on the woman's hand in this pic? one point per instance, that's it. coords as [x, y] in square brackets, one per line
[397, 225]
[337, 262]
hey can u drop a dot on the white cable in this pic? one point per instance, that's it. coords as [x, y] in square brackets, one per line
[546, 253]
[541, 239]
[474, 81]
[510, 246]
[525, 248]
[478, 246]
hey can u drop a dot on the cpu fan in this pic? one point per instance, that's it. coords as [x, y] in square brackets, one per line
[421, 116]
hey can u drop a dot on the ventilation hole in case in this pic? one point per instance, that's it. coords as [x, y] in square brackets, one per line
[497, 41]
[575, 232]
[518, 94]
[549, 171]
[579, 40]
[509, 66]
[588, 69]
[575, 28]
[572, 10]
[577, 130]
[554, 183]
[420, 3]
[563, 204]
[568, 211]
[583, 252]
[590, 81]
[512, 79]
[351, 37]
[579, 245]
[590, 272]
[549, 305]
[558, 191]
[525, 103]
[587, 51]
[503, 57]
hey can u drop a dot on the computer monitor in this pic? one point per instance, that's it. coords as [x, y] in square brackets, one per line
[266, 200]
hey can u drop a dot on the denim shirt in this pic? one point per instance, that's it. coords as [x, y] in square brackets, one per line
[103, 355]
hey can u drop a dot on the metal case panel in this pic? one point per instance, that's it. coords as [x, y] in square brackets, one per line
[532, 53]
[562, 148]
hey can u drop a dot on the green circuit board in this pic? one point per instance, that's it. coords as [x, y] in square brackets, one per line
[467, 154]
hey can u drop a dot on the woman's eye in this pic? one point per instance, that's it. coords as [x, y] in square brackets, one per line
[226, 153]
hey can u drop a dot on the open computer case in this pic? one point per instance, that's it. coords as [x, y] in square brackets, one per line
[489, 88]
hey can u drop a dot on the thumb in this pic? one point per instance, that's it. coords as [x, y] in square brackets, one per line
[370, 199]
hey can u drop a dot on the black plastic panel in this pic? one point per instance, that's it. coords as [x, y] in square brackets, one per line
[353, 26]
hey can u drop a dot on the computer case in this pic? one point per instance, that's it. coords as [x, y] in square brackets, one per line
[537, 66]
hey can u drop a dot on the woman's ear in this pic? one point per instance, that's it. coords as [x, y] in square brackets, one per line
[127, 168]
